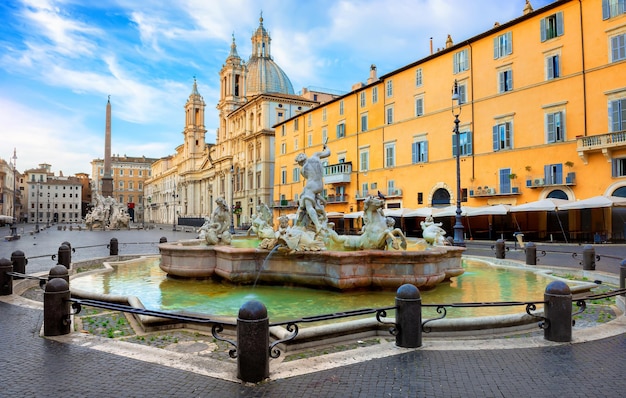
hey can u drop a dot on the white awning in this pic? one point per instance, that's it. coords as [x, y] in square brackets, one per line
[595, 202]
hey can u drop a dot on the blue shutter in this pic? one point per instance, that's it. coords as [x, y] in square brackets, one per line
[505, 181]
[468, 145]
[606, 12]
[559, 23]
[559, 174]
[425, 151]
[509, 43]
[550, 127]
[414, 152]
[496, 48]
[454, 148]
[496, 140]
[546, 173]
[542, 28]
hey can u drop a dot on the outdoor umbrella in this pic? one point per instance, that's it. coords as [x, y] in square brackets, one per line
[548, 204]
[595, 202]
[495, 210]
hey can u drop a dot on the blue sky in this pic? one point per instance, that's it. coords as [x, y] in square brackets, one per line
[60, 59]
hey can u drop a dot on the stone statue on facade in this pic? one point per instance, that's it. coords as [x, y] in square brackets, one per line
[216, 229]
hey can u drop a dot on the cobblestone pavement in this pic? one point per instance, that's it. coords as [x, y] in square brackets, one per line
[31, 366]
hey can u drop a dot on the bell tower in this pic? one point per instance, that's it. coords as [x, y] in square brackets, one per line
[194, 124]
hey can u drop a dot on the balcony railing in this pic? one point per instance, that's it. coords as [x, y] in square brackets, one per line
[541, 182]
[337, 198]
[604, 143]
[338, 173]
[391, 193]
[284, 203]
[490, 191]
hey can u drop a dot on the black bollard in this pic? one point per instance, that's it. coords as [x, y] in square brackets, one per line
[59, 271]
[19, 261]
[6, 281]
[500, 249]
[589, 258]
[558, 312]
[113, 247]
[531, 253]
[65, 255]
[163, 239]
[408, 317]
[56, 308]
[253, 337]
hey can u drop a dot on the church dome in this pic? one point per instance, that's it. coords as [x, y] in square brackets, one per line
[263, 74]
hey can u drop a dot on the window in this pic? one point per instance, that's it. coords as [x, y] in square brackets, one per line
[551, 26]
[364, 160]
[282, 130]
[324, 135]
[553, 69]
[341, 107]
[131, 185]
[612, 8]
[365, 189]
[460, 62]
[389, 91]
[618, 48]
[309, 139]
[324, 114]
[390, 154]
[121, 185]
[374, 95]
[309, 120]
[362, 95]
[295, 125]
[121, 172]
[505, 80]
[503, 136]
[555, 127]
[619, 167]
[505, 180]
[419, 106]
[296, 174]
[553, 174]
[364, 122]
[465, 142]
[283, 148]
[391, 187]
[502, 45]
[419, 152]
[617, 115]
[283, 176]
[389, 114]
[295, 143]
[341, 130]
[418, 77]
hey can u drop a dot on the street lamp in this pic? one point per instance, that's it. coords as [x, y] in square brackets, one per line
[14, 223]
[232, 199]
[458, 226]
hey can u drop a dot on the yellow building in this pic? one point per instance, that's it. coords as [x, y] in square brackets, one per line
[542, 115]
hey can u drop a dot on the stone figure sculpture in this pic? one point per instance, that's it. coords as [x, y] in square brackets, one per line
[107, 213]
[262, 225]
[215, 230]
[432, 232]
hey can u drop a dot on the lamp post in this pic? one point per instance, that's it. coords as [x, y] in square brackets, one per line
[14, 223]
[458, 226]
[232, 199]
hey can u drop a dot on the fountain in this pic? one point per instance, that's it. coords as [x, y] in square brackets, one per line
[311, 253]
[107, 214]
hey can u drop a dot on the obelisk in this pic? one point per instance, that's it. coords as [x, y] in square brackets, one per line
[107, 179]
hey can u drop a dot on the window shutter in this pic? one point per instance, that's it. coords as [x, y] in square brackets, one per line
[550, 65]
[468, 145]
[496, 141]
[606, 12]
[614, 171]
[614, 113]
[559, 174]
[546, 172]
[496, 53]
[622, 119]
[550, 127]
[414, 152]
[559, 23]
[454, 148]
[425, 151]
[509, 80]
[501, 78]
[542, 28]
[509, 42]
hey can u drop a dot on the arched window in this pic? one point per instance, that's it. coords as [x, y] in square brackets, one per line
[621, 192]
[441, 197]
[557, 194]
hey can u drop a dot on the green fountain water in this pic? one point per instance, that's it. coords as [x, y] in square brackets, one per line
[143, 278]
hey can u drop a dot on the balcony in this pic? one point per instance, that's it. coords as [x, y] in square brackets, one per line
[391, 193]
[541, 182]
[285, 204]
[487, 191]
[338, 173]
[605, 143]
[337, 199]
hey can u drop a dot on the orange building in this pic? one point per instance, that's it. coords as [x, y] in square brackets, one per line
[542, 114]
